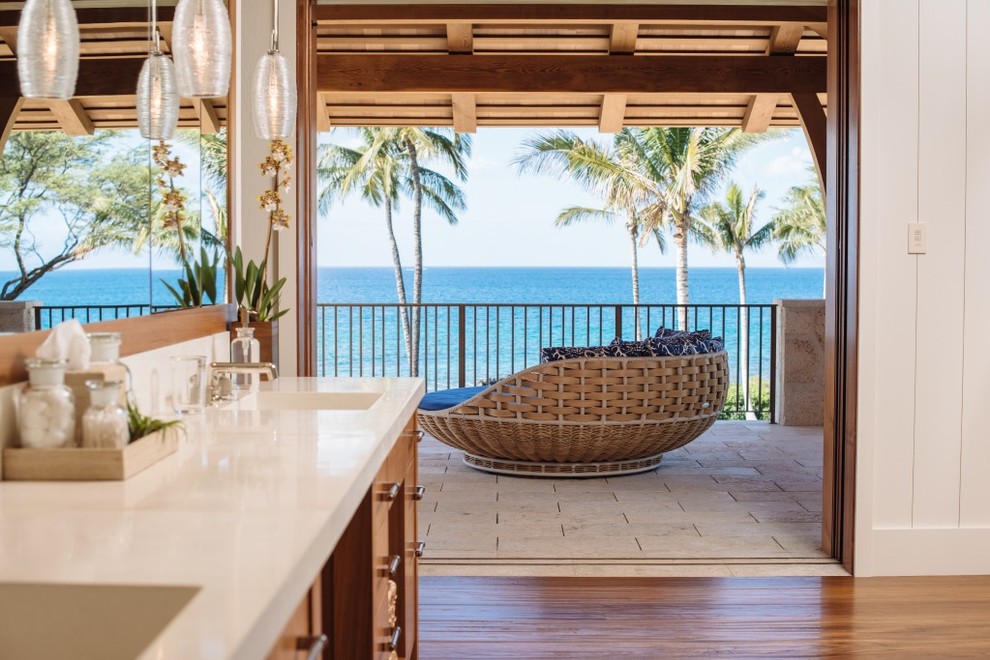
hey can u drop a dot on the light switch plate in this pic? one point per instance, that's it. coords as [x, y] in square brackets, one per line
[917, 238]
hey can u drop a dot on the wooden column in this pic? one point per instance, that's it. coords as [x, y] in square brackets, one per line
[306, 138]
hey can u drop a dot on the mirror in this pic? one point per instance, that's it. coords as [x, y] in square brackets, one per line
[88, 238]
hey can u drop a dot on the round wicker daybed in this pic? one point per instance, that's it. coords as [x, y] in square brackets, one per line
[585, 417]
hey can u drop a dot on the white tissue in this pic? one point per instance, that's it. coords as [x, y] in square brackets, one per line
[67, 341]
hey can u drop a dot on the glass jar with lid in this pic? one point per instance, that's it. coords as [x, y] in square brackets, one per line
[104, 426]
[244, 348]
[46, 416]
[105, 349]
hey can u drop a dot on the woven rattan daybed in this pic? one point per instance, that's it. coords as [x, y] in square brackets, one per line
[585, 417]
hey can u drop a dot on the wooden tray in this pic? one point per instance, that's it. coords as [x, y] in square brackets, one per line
[77, 464]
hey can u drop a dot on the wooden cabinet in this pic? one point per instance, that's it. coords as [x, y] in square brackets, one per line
[303, 635]
[379, 546]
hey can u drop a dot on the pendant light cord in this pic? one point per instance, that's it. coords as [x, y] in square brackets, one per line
[274, 29]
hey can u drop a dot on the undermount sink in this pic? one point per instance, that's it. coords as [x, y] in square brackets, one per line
[104, 622]
[278, 400]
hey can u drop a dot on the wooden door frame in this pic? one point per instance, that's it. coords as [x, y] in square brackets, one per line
[841, 271]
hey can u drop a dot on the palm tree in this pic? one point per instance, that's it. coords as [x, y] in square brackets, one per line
[387, 165]
[730, 227]
[799, 227]
[688, 164]
[609, 171]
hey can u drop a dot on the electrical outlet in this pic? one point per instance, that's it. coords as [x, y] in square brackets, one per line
[917, 238]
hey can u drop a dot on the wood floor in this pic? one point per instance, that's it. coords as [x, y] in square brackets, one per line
[534, 618]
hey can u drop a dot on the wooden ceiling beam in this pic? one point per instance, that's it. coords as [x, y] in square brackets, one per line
[465, 113]
[209, 122]
[9, 36]
[813, 121]
[323, 123]
[10, 106]
[460, 38]
[622, 40]
[97, 77]
[93, 16]
[396, 14]
[72, 117]
[596, 74]
[613, 113]
[784, 41]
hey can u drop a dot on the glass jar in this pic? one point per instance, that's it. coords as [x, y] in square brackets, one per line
[46, 416]
[105, 349]
[244, 348]
[104, 426]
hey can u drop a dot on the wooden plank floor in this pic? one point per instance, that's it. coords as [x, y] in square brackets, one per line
[535, 618]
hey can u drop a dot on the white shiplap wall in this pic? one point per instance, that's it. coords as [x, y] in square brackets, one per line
[923, 492]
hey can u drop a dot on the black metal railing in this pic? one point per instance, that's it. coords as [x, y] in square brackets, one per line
[461, 345]
[48, 315]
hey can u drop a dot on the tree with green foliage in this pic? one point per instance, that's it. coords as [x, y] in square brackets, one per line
[101, 201]
[387, 165]
[731, 227]
[799, 227]
[610, 171]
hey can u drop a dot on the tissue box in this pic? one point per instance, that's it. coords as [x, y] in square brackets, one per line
[76, 379]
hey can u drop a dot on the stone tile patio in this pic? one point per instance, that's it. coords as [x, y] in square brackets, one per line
[745, 498]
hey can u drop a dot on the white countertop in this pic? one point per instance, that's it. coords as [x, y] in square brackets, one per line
[247, 510]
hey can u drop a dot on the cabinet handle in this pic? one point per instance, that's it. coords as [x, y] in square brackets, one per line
[420, 548]
[314, 645]
[393, 565]
[419, 492]
[393, 644]
[393, 492]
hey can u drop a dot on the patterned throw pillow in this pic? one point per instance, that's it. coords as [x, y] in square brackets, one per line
[674, 344]
[663, 332]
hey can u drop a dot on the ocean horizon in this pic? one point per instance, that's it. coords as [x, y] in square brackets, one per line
[444, 284]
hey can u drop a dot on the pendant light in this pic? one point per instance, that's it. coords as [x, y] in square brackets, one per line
[201, 47]
[48, 49]
[157, 100]
[274, 92]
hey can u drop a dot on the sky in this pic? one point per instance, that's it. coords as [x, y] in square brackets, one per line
[510, 218]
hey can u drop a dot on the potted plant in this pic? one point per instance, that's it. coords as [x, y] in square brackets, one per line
[252, 291]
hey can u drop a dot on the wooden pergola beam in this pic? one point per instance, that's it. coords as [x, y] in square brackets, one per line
[93, 16]
[209, 122]
[571, 13]
[784, 40]
[465, 113]
[622, 40]
[596, 74]
[323, 123]
[9, 107]
[813, 121]
[613, 113]
[460, 38]
[72, 117]
[97, 77]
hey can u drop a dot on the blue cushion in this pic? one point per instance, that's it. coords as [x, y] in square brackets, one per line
[443, 399]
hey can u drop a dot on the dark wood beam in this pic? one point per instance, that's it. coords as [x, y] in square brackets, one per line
[9, 107]
[99, 16]
[812, 116]
[596, 74]
[571, 13]
[97, 77]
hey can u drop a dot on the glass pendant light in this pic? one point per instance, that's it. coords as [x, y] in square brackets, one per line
[274, 92]
[157, 100]
[48, 49]
[201, 47]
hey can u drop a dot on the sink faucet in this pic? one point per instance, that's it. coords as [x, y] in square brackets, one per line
[221, 385]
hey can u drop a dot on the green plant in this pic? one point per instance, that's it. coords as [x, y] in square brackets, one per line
[759, 396]
[141, 425]
[200, 282]
[251, 291]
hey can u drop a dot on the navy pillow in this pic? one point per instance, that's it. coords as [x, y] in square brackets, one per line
[555, 353]
[444, 399]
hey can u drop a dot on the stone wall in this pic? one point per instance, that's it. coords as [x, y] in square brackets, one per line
[17, 315]
[800, 373]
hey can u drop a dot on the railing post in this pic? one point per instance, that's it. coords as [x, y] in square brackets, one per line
[461, 346]
[773, 364]
[618, 321]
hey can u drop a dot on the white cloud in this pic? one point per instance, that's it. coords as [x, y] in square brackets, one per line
[795, 162]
